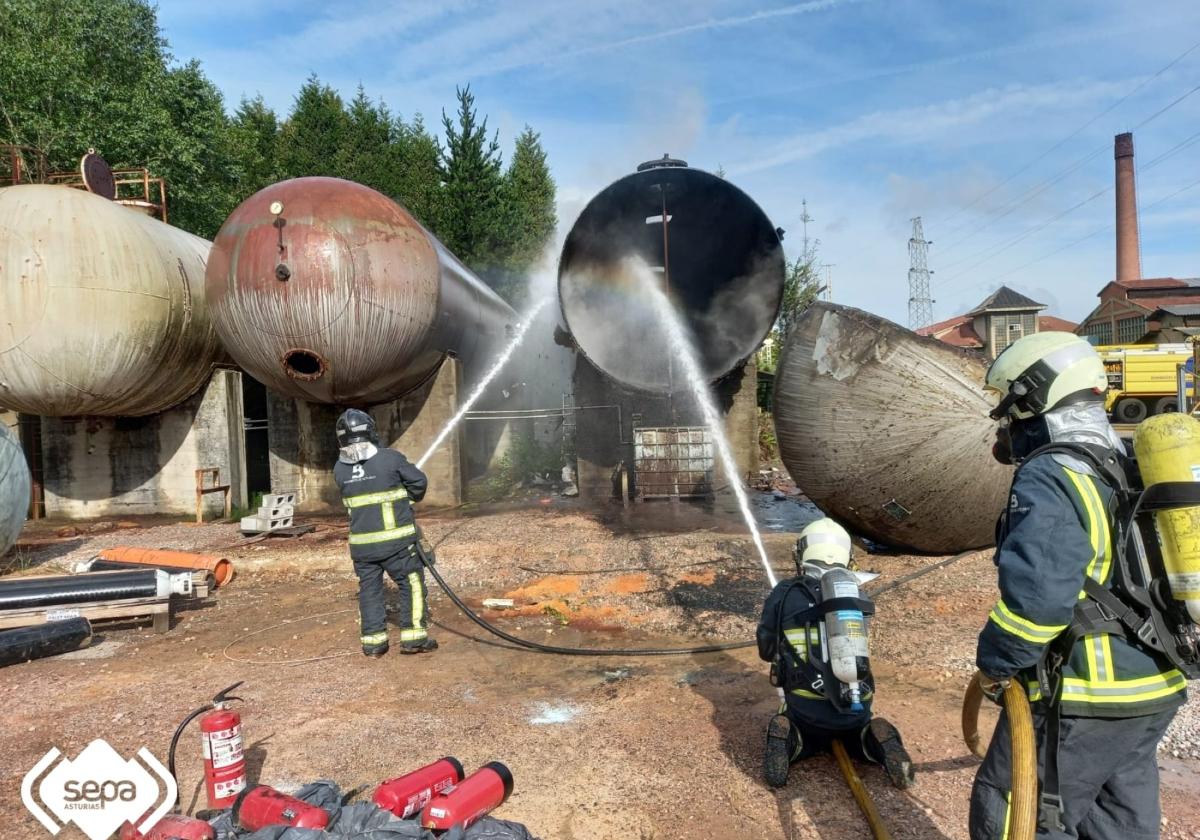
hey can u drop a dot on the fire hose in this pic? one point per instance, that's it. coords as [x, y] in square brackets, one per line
[1024, 787]
[878, 830]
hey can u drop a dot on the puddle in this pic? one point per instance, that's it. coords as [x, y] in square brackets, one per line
[549, 713]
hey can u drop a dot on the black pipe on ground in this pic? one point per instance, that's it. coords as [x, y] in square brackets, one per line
[49, 639]
[24, 593]
[100, 564]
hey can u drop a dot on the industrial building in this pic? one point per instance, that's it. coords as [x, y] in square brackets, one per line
[1000, 319]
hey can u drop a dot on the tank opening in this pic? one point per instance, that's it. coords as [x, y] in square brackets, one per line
[715, 252]
[303, 364]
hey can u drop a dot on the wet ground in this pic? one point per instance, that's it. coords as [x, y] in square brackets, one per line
[600, 747]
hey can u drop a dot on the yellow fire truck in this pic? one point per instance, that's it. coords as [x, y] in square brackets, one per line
[1143, 379]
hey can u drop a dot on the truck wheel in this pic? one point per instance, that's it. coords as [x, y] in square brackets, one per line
[1166, 405]
[1130, 410]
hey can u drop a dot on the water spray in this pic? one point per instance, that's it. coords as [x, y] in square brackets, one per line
[678, 336]
[515, 342]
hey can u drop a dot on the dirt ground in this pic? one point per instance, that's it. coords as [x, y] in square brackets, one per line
[600, 747]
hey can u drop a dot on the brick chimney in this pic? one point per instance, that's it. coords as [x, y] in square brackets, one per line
[1129, 260]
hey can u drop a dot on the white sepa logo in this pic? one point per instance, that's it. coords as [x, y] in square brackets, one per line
[98, 791]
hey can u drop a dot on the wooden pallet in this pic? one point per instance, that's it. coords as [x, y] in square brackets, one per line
[157, 609]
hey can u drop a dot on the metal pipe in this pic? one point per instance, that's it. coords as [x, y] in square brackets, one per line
[32, 592]
[328, 291]
[49, 639]
[726, 269]
[99, 564]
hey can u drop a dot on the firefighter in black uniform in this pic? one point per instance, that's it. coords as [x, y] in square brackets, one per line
[1111, 698]
[809, 719]
[378, 487]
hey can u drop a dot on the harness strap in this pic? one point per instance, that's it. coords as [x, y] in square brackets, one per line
[818, 610]
[1050, 805]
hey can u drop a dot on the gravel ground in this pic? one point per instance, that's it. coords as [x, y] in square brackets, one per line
[601, 748]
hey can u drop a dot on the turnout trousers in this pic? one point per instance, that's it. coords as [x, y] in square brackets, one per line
[405, 568]
[1107, 776]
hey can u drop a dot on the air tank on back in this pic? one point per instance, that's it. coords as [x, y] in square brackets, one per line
[717, 254]
[328, 291]
[14, 488]
[103, 307]
[888, 431]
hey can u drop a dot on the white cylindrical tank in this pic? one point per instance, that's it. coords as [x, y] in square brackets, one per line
[14, 488]
[102, 308]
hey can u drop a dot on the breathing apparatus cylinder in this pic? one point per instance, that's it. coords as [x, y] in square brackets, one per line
[846, 633]
[1168, 449]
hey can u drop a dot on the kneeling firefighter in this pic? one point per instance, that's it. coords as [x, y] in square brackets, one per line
[813, 632]
[1103, 689]
[378, 486]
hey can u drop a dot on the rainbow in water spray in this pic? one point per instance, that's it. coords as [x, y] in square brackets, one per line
[517, 338]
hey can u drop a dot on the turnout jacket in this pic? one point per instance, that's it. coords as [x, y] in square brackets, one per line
[378, 493]
[1057, 530]
[797, 647]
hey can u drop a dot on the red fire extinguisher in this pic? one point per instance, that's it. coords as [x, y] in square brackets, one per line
[408, 794]
[261, 806]
[222, 748]
[170, 827]
[485, 789]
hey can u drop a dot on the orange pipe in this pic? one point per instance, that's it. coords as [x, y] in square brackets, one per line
[222, 569]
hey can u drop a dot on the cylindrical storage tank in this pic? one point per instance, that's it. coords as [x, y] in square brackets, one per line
[328, 291]
[719, 257]
[14, 488]
[888, 431]
[103, 307]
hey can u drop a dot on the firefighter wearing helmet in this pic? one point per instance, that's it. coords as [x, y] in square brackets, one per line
[792, 635]
[1101, 701]
[378, 487]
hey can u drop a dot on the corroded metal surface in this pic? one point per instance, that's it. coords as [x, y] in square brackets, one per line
[14, 488]
[328, 291]
[719, 257]
[889, 431]
[101, 308]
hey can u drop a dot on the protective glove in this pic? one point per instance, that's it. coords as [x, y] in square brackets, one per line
[993, 687]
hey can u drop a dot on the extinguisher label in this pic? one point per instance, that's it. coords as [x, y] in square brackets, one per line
[229, 787]
[224, 747]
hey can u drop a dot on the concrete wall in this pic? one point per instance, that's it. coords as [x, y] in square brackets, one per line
[304, 448]
[112, 466]
[607, 414]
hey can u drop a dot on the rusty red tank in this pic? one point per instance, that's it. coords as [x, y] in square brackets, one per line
[328, 291]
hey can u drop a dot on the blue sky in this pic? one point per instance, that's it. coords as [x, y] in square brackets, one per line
[873, 110]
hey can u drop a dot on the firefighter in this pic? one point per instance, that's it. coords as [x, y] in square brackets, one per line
[789, 636]
[378, 487]
[1102, 702]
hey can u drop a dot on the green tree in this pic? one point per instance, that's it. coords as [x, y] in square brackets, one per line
[364, 154]
[80, 74]
[255, 133]
[314, 132]
[528, 200]
[416, 163]
[471, 172]
[801, 288]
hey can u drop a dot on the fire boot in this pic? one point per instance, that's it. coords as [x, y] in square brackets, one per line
[425, 645]
[881, 742]
[778, 758]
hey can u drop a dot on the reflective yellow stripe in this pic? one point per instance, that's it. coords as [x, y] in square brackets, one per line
[374, 638]
[383, 536]
[389, 516]
[1106, 655]
[1010, 622]
[1124, 691]
[1007, 814]
[811, 695]
[376, 498]
[1093, 527]
[414, 635]
[418, 600]
[1104, 538]
[1034, 690]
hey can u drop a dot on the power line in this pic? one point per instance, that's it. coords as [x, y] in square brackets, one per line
[1082, 239]
[920, 303]
[1070, 136]
[993, 251]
